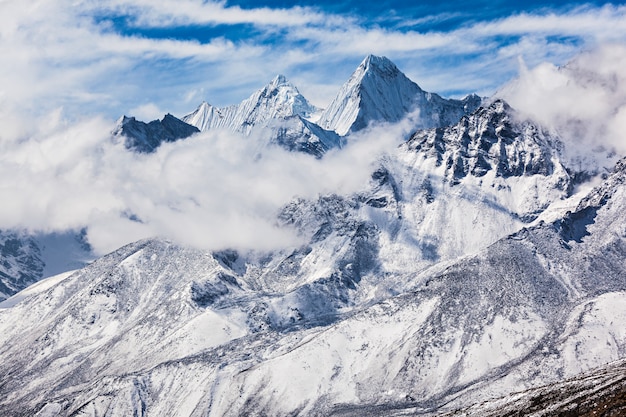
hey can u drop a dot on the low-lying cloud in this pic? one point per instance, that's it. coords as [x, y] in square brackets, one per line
[213, 190]
[583, 101]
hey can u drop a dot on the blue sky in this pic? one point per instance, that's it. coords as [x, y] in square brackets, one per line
[146, 58]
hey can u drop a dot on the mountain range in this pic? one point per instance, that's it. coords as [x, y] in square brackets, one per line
[476, 273]
[376, 92]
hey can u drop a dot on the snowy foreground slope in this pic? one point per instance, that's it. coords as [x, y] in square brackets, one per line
[601, 391]
[408, 297]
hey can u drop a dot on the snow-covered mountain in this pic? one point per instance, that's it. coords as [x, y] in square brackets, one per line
[475, 263]
[279, 114]
[156, 329]
[407, 297]
[379, 92]
[146, 137]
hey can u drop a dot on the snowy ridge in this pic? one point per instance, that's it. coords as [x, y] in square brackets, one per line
[492, 139]
[300, 135]
[279, 99]
[379, 91]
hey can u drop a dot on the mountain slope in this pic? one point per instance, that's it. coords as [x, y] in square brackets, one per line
[154, 329]
[601, 391]
[450, 191]
[379, 92]
[298, 134]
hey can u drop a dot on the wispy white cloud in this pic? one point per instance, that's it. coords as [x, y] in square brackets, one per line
[170, 13]
[54, 53]
[71, 54]
[601, 23]
[583, 101]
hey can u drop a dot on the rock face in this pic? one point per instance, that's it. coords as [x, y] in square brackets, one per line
[146, 137]
[21, 264]
[379, 92]
[489, 139]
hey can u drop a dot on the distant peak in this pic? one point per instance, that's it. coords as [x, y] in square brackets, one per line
[378, 63]
[280, 80]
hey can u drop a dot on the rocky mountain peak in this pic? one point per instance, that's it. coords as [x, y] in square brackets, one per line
[491, 139]
[279, 80]
[146, 137]
[378, 92]
[378, 65]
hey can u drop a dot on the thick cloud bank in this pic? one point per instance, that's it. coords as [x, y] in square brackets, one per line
[584, 102]
[213, 190]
